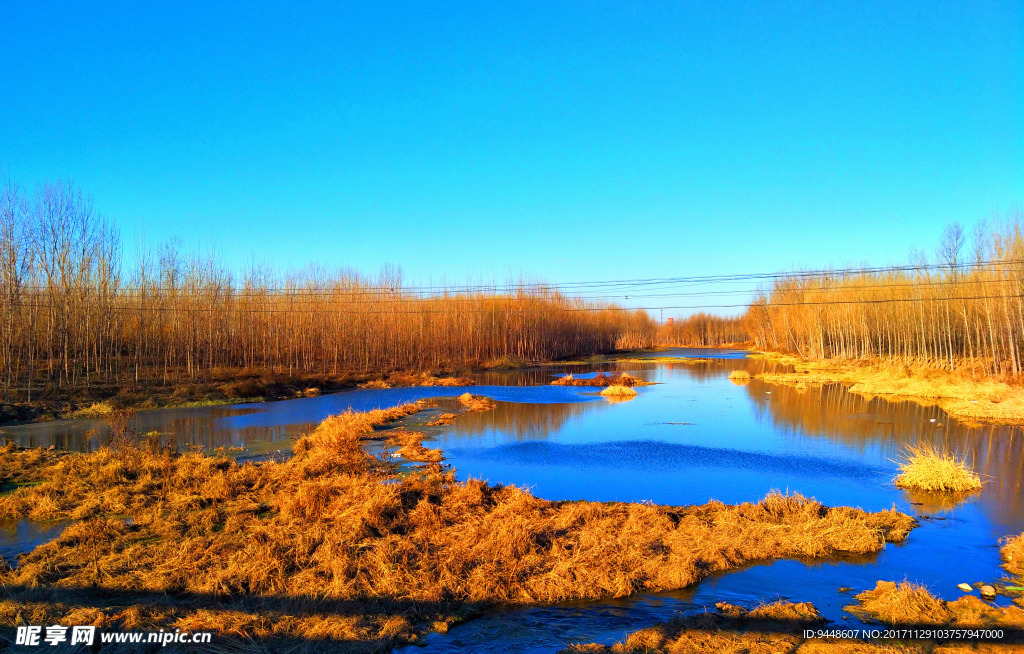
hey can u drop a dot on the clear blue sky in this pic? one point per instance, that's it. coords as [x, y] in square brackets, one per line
[563, 141]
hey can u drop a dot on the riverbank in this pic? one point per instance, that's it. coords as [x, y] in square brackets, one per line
[203, 542]
[799, 628]
[971, 400]
[236, 386]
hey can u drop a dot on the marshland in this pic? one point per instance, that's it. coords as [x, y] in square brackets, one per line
[524, 328]
[361, 465]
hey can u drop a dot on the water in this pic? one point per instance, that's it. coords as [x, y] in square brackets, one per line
[692, 437]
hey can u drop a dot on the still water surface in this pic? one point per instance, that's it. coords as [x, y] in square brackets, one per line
[692, 437]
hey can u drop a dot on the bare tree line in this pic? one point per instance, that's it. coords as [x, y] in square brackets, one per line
[72, 314]
[965, 310]
[703, 330]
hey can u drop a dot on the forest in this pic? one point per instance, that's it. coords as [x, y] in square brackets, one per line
[963, 310]
[75, 313]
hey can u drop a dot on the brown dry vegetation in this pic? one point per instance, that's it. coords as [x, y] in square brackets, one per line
[472, 402]
[1013, 555]
[905, 603]
[740, 376]
[618, 391]
[769, 629]
[926, 468]
[443, 419]
[973, 400]
[331, 548]
[410, 446]
[600, 379]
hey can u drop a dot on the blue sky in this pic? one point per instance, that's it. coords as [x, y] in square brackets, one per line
[560, 141]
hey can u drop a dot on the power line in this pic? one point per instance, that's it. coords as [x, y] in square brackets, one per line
[507, 310]
[399, 293]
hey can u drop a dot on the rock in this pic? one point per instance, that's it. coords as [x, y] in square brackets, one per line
[965, 587]
[988, 592]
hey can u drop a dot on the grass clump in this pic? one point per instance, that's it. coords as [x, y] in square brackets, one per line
[476, 402]
[926, 468]
[410, 444]
[739, 376]
[442, 420]
[332, 548]
[94, 410]
[1012, 553]
[618, 391]
[906, 603]
[600, 379]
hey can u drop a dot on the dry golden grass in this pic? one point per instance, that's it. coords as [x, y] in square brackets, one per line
[768, 629]
[410, 446]
[779, 628]
[1012, 553]
[926, 468]
[443, 419]
[447, 381]
[601, 379]
[741, 376]
[618, 391]
[331, 546]
[772, 629]
[906, 603]
[476, 402]
[94, 410]
[986, 400]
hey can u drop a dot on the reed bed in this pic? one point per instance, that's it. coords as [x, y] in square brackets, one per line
[924, 467]
[739, 376]
[331, 548]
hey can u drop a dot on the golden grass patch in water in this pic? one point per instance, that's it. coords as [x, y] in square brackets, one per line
[1012, 553]
[741, 376]
[410, 446]
[601, 379]
[777, 628]
[332, 548]
[768, 629]
[443, 419]
[476, 402]
[94, 410]
[925, 468]
[618, 391]
[985, 400]
[906, 603]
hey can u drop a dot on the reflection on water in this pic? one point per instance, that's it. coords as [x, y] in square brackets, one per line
[995, 451]
[21, 536]
[521, 422]
[692, 436]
